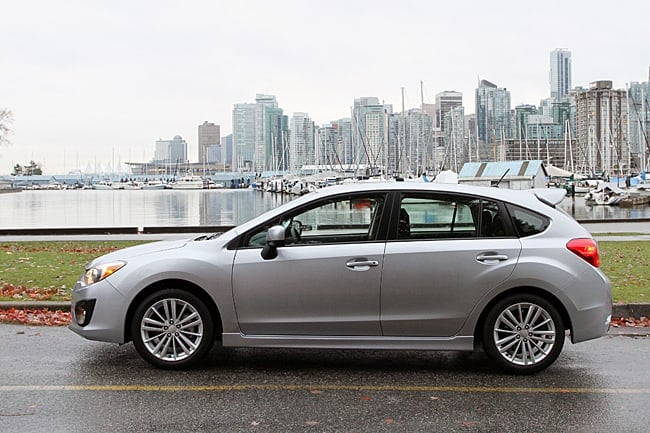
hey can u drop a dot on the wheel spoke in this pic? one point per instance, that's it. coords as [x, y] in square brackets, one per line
[171, 329]
[524, 334]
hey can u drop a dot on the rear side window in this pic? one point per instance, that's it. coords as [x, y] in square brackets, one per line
[527, 222]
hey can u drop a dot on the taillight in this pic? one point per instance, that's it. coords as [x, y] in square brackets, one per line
[585, 248]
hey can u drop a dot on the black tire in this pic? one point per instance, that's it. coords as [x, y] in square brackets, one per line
[161, 341]
[523, 334]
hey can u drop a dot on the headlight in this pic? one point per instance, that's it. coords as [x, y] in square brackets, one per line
[99, 272]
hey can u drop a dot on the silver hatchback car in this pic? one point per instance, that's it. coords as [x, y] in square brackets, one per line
[396, 265]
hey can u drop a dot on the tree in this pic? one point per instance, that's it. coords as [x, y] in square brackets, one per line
[27, 170]
[33, 169]
[6, 117]
[18, 170]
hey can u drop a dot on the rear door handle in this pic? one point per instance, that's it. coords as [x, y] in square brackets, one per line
[491, 258]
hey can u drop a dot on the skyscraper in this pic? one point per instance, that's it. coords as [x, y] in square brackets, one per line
[601, 129]
[209, 142]
[302, 146]
[445, 102]
[560, 75]
[259, 135]
[171, 151]
[369, 129]
[492, 112]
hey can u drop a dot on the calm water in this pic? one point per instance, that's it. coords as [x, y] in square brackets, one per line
[140, 208]
[133, 208]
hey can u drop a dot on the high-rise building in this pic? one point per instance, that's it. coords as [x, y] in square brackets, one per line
[453, 128]
[226, 145]
[522, 113]
[560, 74]
[492, 112]
[171, 151]
[243, 134]
[639, 103]
[301, 142]
[260, 136]
[328, 152]
[445, 102]
[601, 129]
[209, 143]
[370, 132]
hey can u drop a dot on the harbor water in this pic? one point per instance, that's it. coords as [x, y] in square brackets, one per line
[178, 208]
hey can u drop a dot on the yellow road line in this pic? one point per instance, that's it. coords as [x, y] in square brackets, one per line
[279, 387]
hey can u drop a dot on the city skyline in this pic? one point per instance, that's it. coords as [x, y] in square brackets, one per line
[103, 82]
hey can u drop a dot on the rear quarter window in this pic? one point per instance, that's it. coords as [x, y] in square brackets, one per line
[527, 222]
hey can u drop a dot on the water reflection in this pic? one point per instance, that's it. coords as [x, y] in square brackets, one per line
[582, 211]
[140, 208]
[133, 208]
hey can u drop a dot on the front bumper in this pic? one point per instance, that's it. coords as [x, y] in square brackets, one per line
[103, 315]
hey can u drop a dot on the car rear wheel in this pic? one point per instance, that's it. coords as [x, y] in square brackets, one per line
[172, 329]
[523, 334]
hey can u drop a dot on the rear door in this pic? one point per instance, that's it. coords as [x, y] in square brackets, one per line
[455, 249]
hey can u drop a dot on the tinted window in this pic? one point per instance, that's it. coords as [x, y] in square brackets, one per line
[527, 222]
[492, 221]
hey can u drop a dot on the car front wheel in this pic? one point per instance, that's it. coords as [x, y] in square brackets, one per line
[523, 334]
[172, 329]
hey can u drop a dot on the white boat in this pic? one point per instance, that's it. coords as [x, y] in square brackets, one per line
[104, 184]
[188, 182]
[605, 194]
[134, 185]
[154, 184]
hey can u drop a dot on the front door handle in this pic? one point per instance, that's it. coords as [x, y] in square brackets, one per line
[361, 265]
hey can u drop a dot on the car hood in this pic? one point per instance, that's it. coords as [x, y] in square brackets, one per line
[139, 250]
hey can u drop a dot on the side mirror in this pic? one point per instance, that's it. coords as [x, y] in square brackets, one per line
[275, 237]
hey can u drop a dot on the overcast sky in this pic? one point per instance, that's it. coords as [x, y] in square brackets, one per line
[100, 81]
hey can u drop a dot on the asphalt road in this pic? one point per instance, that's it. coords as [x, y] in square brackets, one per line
[54, 381]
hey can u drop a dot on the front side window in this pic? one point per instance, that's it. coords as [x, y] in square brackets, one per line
[350, 218]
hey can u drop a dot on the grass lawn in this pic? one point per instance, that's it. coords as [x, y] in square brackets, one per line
[626, 265]
[49, 270]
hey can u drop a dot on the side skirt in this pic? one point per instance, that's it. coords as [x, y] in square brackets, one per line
[460, 343]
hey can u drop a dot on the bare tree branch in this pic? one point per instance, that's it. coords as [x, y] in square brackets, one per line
[6, 117]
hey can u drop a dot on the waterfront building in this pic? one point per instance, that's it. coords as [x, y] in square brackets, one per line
[171, 151]
[453, 128]
[345, 139]
[445, 102]
[328, 146]
[243, 132]
[492, 113]
[369, 118]
[260, 136]
[226, 149]
[520, 122]
[560, 73]
[601, 129]
[639, 109]
[209, 143]
[301, 142]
